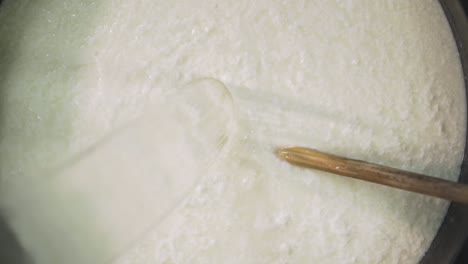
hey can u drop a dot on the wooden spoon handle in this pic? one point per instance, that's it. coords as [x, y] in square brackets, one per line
[366, 171]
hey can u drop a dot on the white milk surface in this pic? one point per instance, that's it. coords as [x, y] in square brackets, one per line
[374, 80]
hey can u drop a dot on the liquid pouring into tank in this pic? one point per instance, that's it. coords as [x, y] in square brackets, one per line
[110, 195]
[113, 204]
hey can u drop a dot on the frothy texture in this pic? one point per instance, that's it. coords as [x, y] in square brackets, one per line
[379, 81]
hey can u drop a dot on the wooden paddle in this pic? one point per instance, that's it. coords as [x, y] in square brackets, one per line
[379, 174]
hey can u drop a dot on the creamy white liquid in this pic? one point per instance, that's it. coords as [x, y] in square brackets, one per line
[374, 80]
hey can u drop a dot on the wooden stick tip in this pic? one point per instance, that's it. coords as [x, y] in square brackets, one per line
[283, 153]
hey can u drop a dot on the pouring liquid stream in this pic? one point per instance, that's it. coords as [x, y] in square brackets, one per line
[106, 198]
